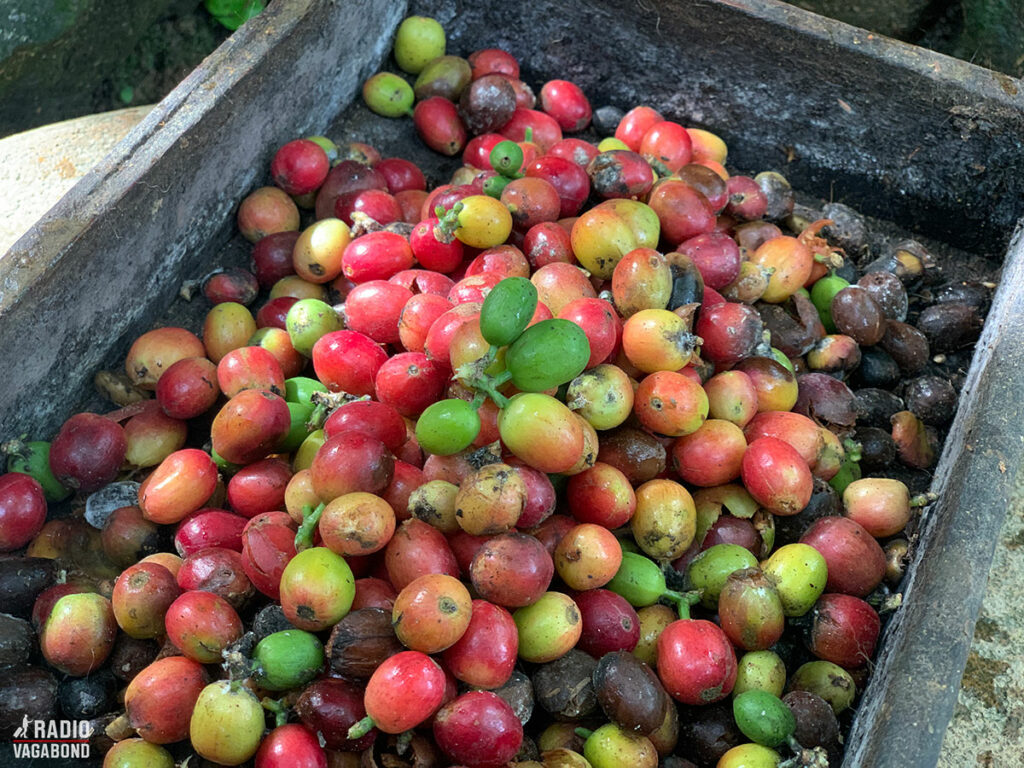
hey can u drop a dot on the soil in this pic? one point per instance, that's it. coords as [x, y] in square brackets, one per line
[165, 55]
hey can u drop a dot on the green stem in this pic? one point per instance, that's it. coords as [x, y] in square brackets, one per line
[490, 386]
[583, 733]
[682, 601]
[447, 222]
[310, 520]
[361, 728]
[659, 167]
[278, 708]
[317, 417]
[472, 375]
[831, 259]
[404, 741]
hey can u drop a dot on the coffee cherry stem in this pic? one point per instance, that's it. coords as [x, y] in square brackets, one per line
[473, 376]
[361, 728]
[324, 403]
[490, 384]
[683, 601]
[120, 728]
[363, 223]
[128, 411]
[447, 222]
[832, 259]
[277, 707]
[404, 741]
[310, 520]
[658, 167]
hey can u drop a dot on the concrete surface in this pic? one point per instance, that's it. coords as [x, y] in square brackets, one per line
[987, 731]
[37, 167]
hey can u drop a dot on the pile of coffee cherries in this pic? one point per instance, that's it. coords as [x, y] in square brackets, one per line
[556, 463]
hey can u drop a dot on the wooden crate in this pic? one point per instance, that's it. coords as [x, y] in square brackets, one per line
[898, 132]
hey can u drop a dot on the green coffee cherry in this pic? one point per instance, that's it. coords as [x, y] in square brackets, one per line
[287, 659]
[849, 471]
[307, 450]
[33, 459]
[447, 427]
[297, 433]
[642, 582]
[419, 40]
[507, 158]
[309, 319]
[234, 13]
[822, 293]
[799, 572]
[507, 310]
[329, 148]
[300, 389]
[388, 95]
[710, 569]
[763, 718]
